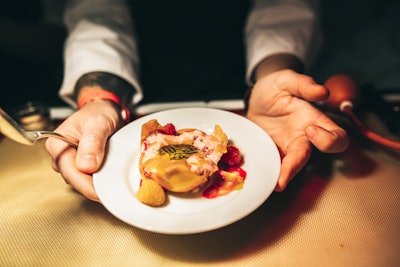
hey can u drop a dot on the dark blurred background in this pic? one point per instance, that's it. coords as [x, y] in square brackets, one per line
[31, 41]
[361, 38]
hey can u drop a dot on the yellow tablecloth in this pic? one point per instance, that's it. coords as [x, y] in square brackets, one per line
[343, 210]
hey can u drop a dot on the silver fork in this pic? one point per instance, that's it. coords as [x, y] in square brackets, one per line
[10, 128]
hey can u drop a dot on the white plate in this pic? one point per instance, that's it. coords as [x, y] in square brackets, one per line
[118, 180]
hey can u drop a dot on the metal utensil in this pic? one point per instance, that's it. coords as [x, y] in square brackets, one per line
[10, 128]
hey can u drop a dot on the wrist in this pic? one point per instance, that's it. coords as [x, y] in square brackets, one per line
[95, 93]
[105, 86]
[276, 63]
[108, 82]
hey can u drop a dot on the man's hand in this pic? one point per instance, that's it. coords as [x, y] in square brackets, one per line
[92, 126]
[280, 104]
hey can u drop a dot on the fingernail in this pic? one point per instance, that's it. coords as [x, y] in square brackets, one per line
[88, 160]
[311, 132]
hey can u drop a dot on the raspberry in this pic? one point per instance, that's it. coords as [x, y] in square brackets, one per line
[150, 193]
[168, 129]
[211, 192]
[232, 157]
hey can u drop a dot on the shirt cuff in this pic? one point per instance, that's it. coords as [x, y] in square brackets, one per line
[109, 56]
[281, 30]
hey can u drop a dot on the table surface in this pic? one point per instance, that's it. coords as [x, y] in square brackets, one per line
[342, 210]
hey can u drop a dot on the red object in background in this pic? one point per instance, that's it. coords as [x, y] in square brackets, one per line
[343, 95]
[342, 88]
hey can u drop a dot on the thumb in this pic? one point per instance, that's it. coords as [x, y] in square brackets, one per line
[305, 87]
[91, 149]
[98, 122]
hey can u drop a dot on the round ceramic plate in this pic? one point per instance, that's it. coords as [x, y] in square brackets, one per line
[118, 180]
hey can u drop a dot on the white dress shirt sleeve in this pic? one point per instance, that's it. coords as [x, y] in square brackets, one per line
[281, 26]
[101, 38]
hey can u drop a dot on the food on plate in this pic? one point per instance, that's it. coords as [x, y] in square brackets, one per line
[150, 193]
[225, 181]
[186, 161]
[180, 161]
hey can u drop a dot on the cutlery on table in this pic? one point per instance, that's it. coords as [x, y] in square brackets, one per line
[10, 128]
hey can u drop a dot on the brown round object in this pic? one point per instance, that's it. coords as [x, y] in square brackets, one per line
[342, 87]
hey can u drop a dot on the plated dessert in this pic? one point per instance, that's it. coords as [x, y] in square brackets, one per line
[186, 161]
[117, 182]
